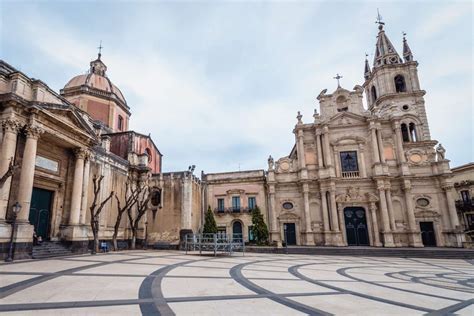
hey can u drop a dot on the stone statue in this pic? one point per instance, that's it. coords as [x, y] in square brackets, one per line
[440, 152]
[271, 163]
[299, 117]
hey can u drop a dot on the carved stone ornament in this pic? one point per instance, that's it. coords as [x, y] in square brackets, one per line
[271, 163]
[426, 214]
[284, 165]
[80, 153]
[353, 195]
[33, 131]
[10, 125]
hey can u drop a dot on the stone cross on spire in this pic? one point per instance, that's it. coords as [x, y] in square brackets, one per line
[379, 20]
[337, 78]
[100, 49]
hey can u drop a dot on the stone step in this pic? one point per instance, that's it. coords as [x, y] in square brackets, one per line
[50, 249]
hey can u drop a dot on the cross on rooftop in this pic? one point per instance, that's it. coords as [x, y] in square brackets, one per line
[337, 78]
[100, 48]
[379, 20]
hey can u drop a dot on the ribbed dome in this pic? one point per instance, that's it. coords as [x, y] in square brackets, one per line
[96, 79]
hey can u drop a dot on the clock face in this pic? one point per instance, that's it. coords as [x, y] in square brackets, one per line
[416, 158]
[284, 166]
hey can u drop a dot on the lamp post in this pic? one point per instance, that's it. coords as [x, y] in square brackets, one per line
[16, 209]
[286, 240]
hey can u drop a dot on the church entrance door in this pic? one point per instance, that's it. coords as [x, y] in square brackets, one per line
[356, 226]
[428, 234]
[290, 232]
[40, 211]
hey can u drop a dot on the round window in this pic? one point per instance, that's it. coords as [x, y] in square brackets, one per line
[405, 107]
[287, 205]
[422, 202]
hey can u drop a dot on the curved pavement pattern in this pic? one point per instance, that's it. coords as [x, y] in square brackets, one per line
[171, 283]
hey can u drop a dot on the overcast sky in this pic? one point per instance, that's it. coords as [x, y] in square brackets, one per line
[218, 84]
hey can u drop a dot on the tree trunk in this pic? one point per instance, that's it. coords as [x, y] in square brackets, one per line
[116, 229]
[134, 234]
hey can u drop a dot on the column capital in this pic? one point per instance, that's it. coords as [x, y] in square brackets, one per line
[300, 133]
[447, 186]
[396, 124]
[10, 125]
[325, 129]
[81, 153]
[407, 186]
[318, 132]
[33, 131]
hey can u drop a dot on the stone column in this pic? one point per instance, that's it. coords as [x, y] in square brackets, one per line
[327, 150]
[7, 154]
[380, 145]
[375, 225]
[319, 149]
[375, 149]
[388, 237]
[334, 217]
[301, 157]
[307, 216]
[273, 215]
[388, 195]
[340, 213]
[85, 190]
[324, 210]
[363, 170]
[453, 216]
[77, 187]
[337, 164]
[415, 238]
[27, 175]
[186, 207]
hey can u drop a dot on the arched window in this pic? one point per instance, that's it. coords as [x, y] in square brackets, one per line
[405, 135]
[413, 135]
[400, 83]
[148, 153]
[120, 123]
[374, 93]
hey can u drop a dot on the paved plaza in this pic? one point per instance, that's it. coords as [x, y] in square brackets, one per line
[170, 282]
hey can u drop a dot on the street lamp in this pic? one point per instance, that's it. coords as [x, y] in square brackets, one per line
[286, 240]
[16, 209]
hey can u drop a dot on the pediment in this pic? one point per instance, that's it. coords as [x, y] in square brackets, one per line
[346, 118]
[68, 117]
[288, 216]
[423, 213]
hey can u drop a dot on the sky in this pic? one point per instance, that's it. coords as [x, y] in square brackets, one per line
[218, 83]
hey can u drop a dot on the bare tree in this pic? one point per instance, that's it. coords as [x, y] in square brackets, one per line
[142, 206]
[131, 198]
[95, 209]
[10, 172]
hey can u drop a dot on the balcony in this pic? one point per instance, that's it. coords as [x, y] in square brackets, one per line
[350, 174]
[232, 210]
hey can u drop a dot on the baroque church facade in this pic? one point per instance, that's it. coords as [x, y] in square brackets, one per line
[355, 176]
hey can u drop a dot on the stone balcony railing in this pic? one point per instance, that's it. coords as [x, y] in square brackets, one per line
[350, 174]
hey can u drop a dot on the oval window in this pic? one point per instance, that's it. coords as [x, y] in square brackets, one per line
[422, 202]
[287, 205]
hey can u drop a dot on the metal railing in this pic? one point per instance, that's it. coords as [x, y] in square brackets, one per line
[231, 210]
[223, 243]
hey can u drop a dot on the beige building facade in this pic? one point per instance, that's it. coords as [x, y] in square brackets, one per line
[354, 177]
[367, 177]
[232, 196]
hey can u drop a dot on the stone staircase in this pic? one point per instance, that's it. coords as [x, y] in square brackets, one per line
[49, 249]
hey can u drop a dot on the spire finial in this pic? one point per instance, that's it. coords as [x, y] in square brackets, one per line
[100, 49]
[407, 54]
[379, 20]
[337, 78]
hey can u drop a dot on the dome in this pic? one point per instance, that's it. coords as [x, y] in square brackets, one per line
[97, 81]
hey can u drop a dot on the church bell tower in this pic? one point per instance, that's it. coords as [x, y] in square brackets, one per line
[392, 87]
